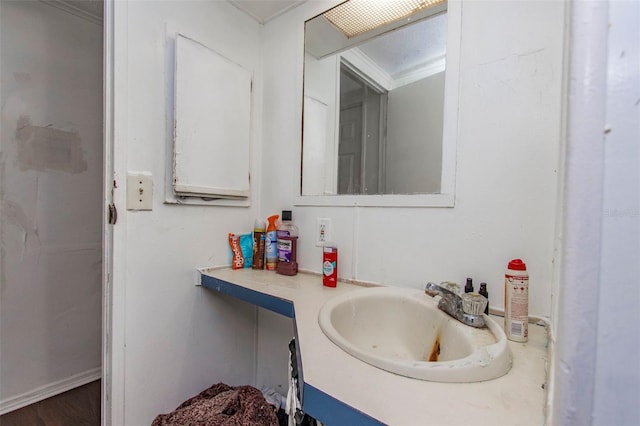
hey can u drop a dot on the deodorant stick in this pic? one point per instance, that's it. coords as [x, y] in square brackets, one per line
[330, 265]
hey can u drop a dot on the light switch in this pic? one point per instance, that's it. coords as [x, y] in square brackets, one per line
[139, 191]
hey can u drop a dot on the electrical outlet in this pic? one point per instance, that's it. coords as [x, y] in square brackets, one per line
[323, 231]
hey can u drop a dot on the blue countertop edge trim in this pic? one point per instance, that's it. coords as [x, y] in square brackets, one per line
[272, 303]
[332, 411]
[316, 403]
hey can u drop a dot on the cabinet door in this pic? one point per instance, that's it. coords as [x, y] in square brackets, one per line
[212, 123]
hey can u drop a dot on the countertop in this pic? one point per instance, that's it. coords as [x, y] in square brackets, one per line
[518, 398]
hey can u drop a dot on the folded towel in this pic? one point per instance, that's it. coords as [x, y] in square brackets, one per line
[222, 405]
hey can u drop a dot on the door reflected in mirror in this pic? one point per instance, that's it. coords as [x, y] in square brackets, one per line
[374, 107]
[361, 136]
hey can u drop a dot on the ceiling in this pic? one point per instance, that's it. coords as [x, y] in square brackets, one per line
[265, 10]
[260, 10]
[391, 59]
[410, 47]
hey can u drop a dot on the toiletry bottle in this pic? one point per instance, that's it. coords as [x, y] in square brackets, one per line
[516, 298]
[329, 265]
[468, 287]
[271, 243]
[287, 235]
[258, 244]
[483, 291]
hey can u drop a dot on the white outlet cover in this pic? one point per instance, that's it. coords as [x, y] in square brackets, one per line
[322, 238]
[139, 191]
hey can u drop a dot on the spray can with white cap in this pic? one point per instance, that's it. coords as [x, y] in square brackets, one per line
[516, 300]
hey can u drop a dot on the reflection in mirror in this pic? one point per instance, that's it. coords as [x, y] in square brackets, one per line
[373, 106]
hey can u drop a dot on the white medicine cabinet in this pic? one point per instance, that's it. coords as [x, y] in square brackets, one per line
[212, 124]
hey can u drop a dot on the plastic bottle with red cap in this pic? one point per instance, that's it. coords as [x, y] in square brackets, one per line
[516, 299]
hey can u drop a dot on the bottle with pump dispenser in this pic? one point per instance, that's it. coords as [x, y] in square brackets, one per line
[468, 287]
[484, 292]
[287, 235]
[271, 243]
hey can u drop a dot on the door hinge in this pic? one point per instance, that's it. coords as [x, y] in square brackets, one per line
[112, 216]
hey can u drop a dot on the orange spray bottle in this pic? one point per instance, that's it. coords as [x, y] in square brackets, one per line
[271, 243]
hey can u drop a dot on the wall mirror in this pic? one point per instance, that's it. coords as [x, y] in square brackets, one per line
[380, 104]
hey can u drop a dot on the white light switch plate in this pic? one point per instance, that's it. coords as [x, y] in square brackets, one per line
[139, 191]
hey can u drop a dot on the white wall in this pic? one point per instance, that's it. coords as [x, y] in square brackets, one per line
[414, 136]
[320, 140]
[617, 375]
[180, 339]
[508, 147]
[171, 339]
[596, 374]
[275, 331]
[51, 208]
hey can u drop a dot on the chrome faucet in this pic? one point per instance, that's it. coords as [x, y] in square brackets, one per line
[469, 313]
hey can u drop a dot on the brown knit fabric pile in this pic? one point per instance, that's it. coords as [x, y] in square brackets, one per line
[222, 405]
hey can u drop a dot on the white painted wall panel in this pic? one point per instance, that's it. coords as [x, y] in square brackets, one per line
[509, 142]
[414, 136]
[617, 377]
[316, 179]
[272, 362]
[320, 171]
[172, 339]
[51, 201]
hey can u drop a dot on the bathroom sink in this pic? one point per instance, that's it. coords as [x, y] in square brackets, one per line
[402, 330]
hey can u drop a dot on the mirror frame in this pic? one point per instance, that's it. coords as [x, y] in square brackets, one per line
[446, 196]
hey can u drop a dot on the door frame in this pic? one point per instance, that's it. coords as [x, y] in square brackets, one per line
[107, 234]
[114, 253]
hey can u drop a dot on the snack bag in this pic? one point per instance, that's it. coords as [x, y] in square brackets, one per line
[241, 250]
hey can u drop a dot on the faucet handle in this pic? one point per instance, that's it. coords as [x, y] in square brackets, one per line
[451, 286]
[474, 303]
[446, 288]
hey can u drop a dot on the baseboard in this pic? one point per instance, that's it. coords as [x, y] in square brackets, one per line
[49, 390]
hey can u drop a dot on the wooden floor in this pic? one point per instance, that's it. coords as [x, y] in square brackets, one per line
[77, 407]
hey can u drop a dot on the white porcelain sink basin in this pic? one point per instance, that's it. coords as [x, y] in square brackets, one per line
[402, 331]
